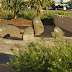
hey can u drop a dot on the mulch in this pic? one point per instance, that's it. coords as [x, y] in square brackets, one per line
[17, 22]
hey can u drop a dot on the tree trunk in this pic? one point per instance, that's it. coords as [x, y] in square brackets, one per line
[38, 13]
[15, 14]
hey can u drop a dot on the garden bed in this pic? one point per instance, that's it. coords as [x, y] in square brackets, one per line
[17, 22]
[20, 23]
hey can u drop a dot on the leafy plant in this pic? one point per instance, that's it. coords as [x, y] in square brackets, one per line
[64, 13]
[39, 58]
[27, 15]
[38, 5]
[6, 14]
[12, 5]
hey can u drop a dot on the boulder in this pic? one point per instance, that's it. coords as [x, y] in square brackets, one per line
[28, 34]
[8, 30]
[38, 26]
[58, 32]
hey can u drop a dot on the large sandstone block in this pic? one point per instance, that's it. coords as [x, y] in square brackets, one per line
[63, 22]
[58, 32]
[58, 20]
[28, 34]
[67, 23]
[8, 29]
[38, 26]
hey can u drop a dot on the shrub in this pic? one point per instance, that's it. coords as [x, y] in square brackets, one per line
[46, 17]
[8, 15]
[50, 15]
[38, 58]
[64, 13]
[27, 15]
[43, 15]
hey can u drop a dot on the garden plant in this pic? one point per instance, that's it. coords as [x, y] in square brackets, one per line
[40, 58]
[13, 6]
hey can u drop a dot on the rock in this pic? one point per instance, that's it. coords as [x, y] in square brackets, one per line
[28, 34]
[58, 32]
[8, 30]
[0, 19]
[38, 26]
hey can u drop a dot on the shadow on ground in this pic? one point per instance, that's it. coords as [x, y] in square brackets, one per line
[14, 38]
[4, 58]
